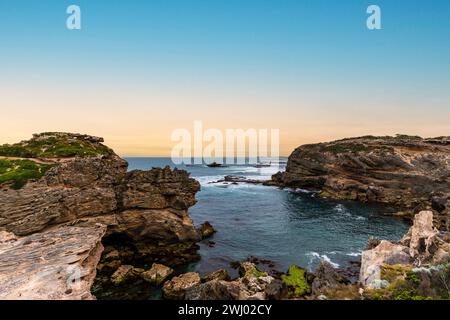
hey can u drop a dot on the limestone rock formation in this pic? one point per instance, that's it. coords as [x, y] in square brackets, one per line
[422, 238]
[422, 246]
[408, 172]
[57, 264]
[385, 253]
[86, 185]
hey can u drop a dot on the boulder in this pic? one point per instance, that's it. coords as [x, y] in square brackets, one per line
[206, 230]
[125, 273]
[220, 274]
[422, 237]
[385, 253]
[252, 285]
[214, 290]
[157, 274]
[326, 277]
[176, 288]
[275, 290]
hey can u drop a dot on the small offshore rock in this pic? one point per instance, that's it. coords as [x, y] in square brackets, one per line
[206, 230]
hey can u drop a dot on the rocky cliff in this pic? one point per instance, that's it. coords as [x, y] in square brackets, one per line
[416, 267]
[408, 172]
[63, 196]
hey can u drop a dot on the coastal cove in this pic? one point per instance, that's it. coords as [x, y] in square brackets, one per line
[145, 229]
[284, 227]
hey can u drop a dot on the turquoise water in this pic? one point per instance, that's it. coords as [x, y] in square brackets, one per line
[285, 226]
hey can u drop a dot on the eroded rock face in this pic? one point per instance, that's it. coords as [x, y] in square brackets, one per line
[423, 245]
[422, 236]
[144, 214]
[385, 253]
[73, 189]
[408, 172]
[57, 264]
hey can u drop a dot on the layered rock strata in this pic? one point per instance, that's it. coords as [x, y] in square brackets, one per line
[85, 199]
[410, 173]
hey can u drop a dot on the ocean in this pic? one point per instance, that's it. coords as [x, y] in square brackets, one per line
[284, 226]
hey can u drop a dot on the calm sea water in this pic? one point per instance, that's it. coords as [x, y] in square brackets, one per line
[285, 226]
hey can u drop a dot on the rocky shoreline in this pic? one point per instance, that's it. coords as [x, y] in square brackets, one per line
[74, 224]
[408, 172]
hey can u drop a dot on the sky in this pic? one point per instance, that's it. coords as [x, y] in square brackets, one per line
[138, 70]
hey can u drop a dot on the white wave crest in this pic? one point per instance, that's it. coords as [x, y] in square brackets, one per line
[316, 256]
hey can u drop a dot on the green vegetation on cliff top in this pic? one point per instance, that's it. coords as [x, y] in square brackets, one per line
[54, 146]
[18, 172]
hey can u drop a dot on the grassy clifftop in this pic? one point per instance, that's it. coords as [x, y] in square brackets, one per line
[56, 145]
[19, 161]
[18, 172]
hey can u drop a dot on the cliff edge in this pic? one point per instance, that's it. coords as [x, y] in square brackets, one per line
[408, 172]
[63, 196]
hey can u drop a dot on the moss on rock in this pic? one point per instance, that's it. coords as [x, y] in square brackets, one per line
[296, 282]
[19, 172]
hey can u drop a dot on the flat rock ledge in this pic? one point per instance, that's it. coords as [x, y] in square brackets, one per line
[63, 259]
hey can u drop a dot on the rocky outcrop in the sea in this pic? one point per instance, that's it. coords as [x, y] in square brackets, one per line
[408, 172]
[206, 230]
[85, 199]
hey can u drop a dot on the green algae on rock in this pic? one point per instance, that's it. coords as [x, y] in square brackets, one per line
[296, 282]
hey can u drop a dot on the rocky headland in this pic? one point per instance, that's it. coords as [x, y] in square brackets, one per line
[407, 172]
[64, 197]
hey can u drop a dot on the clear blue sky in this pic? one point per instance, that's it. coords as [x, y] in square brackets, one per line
[310, 65]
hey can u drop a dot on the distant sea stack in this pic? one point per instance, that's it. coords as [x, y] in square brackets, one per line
[408, 172]
[63, 197]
